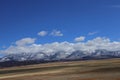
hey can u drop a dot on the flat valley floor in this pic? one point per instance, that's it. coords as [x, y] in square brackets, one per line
[107, 69]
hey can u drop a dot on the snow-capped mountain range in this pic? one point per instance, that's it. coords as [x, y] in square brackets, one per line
[27, 50]
[62, 55]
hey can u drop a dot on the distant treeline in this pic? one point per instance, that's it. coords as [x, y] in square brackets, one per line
[30, 62]
[20, 63]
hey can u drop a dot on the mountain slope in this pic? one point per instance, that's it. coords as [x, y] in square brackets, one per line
[61, 55]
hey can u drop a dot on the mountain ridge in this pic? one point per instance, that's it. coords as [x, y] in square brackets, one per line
[61, 55]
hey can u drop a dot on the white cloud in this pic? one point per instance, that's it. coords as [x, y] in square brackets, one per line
[115, 6]
[78, 39]
[56, 33]
[67, 47]
[25, 41]
[92, 33]
[42, 33]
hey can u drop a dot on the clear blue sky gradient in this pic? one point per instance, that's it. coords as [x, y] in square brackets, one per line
[25, 18]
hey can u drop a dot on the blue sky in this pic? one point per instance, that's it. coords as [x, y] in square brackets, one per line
[73, 18]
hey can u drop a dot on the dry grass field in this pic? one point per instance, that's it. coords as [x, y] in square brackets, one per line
[108, 69]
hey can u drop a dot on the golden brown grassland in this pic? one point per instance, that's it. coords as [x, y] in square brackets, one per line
[107, 69]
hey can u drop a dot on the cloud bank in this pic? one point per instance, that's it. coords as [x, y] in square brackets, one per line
[28, 45]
